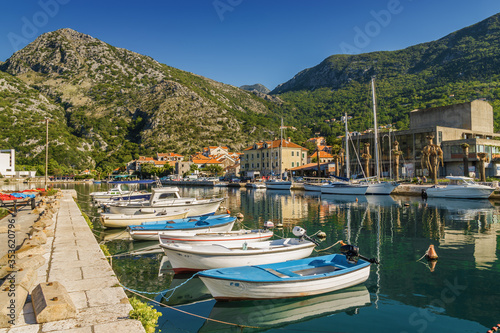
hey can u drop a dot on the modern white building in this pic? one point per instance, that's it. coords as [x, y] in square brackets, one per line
[8, 162]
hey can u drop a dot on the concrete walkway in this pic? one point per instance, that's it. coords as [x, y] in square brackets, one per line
[74, 258]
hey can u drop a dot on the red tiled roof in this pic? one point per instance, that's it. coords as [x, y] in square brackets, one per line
[322, 154]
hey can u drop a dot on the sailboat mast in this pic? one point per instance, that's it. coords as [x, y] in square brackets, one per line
[347, 161]
[377, 166]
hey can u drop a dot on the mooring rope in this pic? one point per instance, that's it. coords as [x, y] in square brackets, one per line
[189, 313]
[163, 291]
[320, 250]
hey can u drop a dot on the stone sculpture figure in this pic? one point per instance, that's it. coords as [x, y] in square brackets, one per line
[432, 156]
[366, 156]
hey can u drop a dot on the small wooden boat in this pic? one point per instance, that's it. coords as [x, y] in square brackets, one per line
[151, 230]
[228, 238]
[186, 257]
[295, 278]
[109, 220]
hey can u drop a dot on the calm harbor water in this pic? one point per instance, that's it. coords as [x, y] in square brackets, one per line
[460, 294]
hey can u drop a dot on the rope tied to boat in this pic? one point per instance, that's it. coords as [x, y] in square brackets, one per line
[163, 292]
[188, 313]
[320, 250]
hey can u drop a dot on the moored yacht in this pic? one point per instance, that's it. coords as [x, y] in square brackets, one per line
[460, 187]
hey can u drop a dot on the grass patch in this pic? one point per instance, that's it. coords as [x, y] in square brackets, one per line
[145, 314]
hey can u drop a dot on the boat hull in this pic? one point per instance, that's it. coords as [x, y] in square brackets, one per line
[348, 189]
[276, 185]
[381, 188]
[313, 187]
[196, 207]
[230, 238]
[223, 289]
[199, 258]
[153, 234]
[123, 221]
[460, 192]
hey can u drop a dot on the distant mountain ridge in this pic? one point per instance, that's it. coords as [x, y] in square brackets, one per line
[460, 67]
[468, 53]
[125, 104]
[257, 87]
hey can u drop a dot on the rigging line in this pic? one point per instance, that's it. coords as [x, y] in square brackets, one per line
[189, 313]
[361, 226]
[357, 157]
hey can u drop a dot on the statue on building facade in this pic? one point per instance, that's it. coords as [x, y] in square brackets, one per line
[397, 153]
[366, 156]
[432, 156]
[483, 159]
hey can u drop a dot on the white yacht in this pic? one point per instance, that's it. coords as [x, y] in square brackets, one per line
[167, 199]
[460, 187]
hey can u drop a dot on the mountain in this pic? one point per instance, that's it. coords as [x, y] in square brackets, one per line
[124, 104]
[257, 87]
[23, 111]
[459, 67]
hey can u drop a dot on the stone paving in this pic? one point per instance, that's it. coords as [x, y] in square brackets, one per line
[74, 259]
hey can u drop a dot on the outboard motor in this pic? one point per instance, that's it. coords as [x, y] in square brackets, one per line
[301, 233]
[352, 255]
[268, 225]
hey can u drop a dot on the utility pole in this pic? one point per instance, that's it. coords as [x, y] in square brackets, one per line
[46, 150]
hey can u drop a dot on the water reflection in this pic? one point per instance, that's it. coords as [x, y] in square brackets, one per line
[397, 230]
[263, 315]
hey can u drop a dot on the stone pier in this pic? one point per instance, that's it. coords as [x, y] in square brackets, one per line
[74, 259]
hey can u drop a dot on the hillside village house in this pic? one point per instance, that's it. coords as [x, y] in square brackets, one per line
[262, 158]
[451, 126]
[8, 165]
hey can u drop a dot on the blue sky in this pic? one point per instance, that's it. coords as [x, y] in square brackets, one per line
[243, 41]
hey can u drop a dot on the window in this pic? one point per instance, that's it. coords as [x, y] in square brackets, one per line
[257, 155]
[252, 156]
[302, 155]
[293, 164]
[257, 165]
[292, 155]
[440, 137]
[267, 154]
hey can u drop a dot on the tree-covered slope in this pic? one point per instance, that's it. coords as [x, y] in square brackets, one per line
[459, 67]
[126, 104]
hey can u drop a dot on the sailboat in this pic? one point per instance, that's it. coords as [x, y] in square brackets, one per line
[345, 186]
[279, 183]
[377, 186]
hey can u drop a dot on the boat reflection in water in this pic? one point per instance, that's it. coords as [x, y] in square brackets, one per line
[342, 199]
[382, 200]
[266, 314]
[461, 209]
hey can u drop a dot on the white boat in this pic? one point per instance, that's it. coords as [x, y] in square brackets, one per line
[344, 188]
[114, 192]
[460, 187]
[228, 238]
[167, 199]
[379, 187]
[185, 257]
[294, 278]
[256, 185]
[277, 184]
[151, 230]
[315, 184]
[109, 220]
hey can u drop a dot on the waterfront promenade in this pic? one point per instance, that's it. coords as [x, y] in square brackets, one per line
[72, 257]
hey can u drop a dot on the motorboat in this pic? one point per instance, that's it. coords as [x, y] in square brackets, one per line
[256, 185]
[151, 230]
[379, 187]
[167, 199]
[460, 187]
[109, 220]
[227, 238]
[278, 184]
[115, 192]
[186, 257]
[286, 279]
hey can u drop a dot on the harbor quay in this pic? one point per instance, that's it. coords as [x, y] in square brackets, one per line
[54, 276]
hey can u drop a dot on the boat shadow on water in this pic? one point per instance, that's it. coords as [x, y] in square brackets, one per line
[260, 315]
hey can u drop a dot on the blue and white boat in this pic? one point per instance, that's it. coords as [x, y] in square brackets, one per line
[150, 230]
[295, 278]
